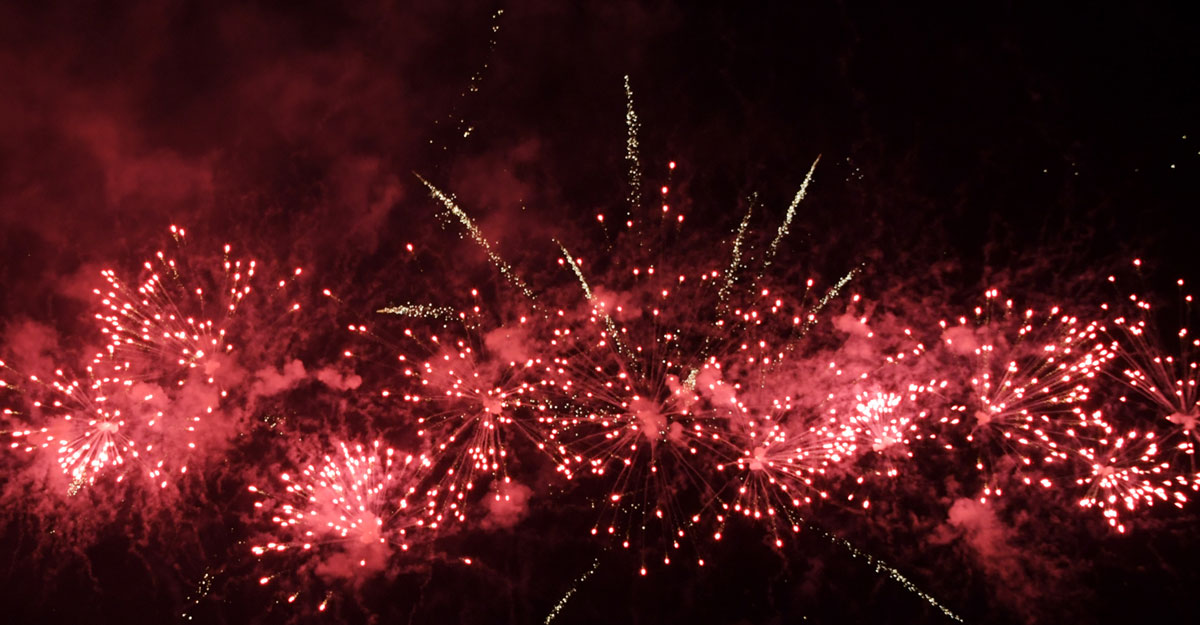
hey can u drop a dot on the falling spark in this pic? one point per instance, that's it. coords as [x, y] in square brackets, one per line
[476, 234]
[632, 158]
[735, 259]
[202, 590]
[421, 311]
[354, 503]
[892, 572]
[587, 292]
[562, 603]
[790, 215]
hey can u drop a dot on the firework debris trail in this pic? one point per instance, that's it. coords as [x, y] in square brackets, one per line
[562, 603]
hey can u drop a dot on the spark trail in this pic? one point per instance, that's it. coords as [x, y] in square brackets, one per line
[476, 234]
[562, 603]
[789, 216]
[893, 573]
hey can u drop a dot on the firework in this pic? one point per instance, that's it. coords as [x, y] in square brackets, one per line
[1133, 461]
[1163, 381]
[653, 365]
[650, 440]
[472, 388]
[475, 408]
[86, 428]
[164, 325]
[174, 333]
[879, 425]
[1031, 374]
[636, 397]
[782, 460]
[644, 414]
[1124, 472]
[885, 426]
[684, 391]
[346, 512]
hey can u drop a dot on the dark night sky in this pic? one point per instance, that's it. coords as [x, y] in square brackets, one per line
[1033, 148]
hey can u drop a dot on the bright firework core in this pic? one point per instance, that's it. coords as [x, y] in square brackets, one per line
[654, 423]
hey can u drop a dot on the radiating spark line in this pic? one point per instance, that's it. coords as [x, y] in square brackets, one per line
[422, 311]
[587, 291]
[735, 258]
[881, 566]
[735, 263]
[571, 591]
[833, 292]
[452, 207]
[791, 214]
[811, 318]
[631, 151]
